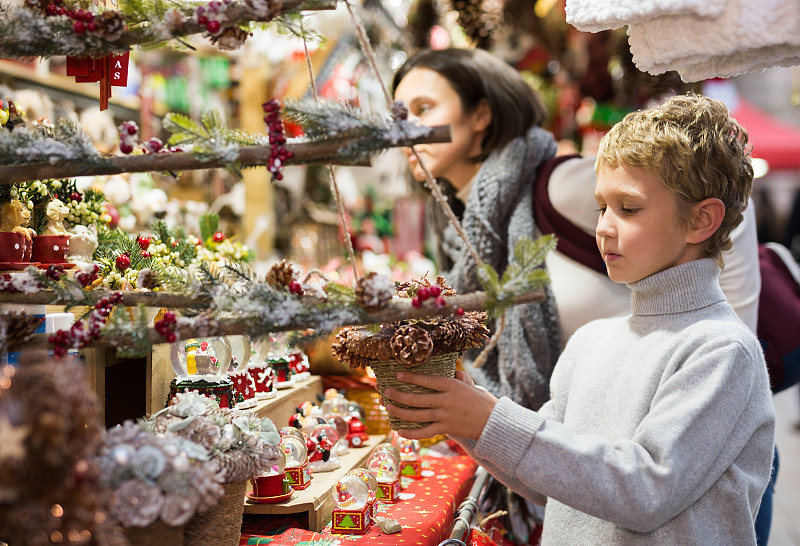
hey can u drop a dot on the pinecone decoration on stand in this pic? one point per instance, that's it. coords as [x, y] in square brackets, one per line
[411, 345]
[373, 291]
[282, 274]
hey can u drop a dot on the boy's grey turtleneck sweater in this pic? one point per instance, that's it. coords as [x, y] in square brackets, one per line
[660, 428]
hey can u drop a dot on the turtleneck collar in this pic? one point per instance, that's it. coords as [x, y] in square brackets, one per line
[686, 287]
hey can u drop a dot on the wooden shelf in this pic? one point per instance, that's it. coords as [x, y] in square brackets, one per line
[285, 403]
[316, 500]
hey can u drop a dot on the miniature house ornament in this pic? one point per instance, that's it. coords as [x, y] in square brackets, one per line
[352, 512]
[296, 461]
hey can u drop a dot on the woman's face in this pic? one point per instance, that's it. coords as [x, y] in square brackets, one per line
[431, 100]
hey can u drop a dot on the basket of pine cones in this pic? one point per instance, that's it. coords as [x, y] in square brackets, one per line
[429, 346]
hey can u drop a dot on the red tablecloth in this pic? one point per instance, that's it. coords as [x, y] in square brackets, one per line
[426, 517]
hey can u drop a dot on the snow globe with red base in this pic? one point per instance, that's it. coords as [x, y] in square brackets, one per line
[244, 387]
[386, 468]
[410, 463]
[296, 461]
[271, 486]
[352, 513]
[200, 364]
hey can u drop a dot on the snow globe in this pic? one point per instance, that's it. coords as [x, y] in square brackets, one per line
[262, 374]
[273, 485]
[292, 431]
[351, 514]
[296, 461]
[372, 483]
[386, 468]
[324, 438]
[200, 364]
[342, 429]
[410, 464]
[244, 388]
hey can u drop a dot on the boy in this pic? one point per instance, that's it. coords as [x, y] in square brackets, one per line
[660, 427]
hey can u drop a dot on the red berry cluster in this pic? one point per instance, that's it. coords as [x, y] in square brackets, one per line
[166, 327]
[128, 138]
[84, 19]
[54, 271]
[88, 275]
[278, 154]
[153, 145]
[7, 284]
[123, 262]
[296, 288]
[208, 16]
[427, 292]
[79, 335]
[76, 196]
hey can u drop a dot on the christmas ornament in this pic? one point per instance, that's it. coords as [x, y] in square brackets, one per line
[111, 70]
[143, 242]
[352, 512]
[374, 291]
[122, 262]
[296, 461]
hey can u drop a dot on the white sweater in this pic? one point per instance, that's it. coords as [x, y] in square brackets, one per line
[660, 429]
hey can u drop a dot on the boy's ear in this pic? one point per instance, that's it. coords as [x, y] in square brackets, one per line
[482, 116]
[707, 217]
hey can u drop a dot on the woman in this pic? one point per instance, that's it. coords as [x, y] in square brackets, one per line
[496, 149]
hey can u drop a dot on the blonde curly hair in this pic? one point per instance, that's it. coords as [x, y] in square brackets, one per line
[696, 149]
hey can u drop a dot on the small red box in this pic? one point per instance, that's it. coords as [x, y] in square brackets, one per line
[351, 522]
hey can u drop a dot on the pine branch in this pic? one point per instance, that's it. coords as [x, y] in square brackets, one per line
[209, 224]
[328, 151]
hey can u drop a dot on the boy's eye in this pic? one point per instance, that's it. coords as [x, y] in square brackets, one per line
[601, 210]
[629, 211]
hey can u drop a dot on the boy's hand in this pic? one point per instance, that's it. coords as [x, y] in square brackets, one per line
[458, 408]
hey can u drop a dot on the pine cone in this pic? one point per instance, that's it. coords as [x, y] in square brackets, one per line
[147, 278]
[19, 328]
[411, 345]
[111, 24]
[449, 336]
[234, 466]
[231, 38]
[374, 291]
[282, 274]
[36, 5]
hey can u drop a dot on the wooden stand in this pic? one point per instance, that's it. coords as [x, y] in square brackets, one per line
[317, 501]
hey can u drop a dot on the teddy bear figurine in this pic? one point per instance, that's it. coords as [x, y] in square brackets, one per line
[14, 217]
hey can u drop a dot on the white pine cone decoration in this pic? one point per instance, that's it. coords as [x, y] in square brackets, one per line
[411, 345]
[111, 24]
[235, 466]
[374, 291]
[136, 504]
[282, 274]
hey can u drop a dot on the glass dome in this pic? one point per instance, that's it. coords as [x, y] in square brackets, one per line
[337, 421]
[203, 357]
[240, 352]
[338, 405]
[350, 493]
[389, 448]
[384, 465]
[295, 451]
[277, 467]
[326, 435]
[291, 431]
[409, 449]
[368, 478]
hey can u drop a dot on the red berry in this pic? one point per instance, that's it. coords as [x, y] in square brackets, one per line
[460, 311]
[145, 254]
[213, 27]
[79, 27]
[416, 302]
[90, 26]
[143, 241]
[434, 290]
[218, 237]
[123, 262]
[440, 302]
[125, 147]
[423, 293]
[202, 20]
[51, 9]
[75, 196]
[295, 288]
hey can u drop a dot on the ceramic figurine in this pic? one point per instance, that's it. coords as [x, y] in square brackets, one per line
[15, 217]
[56, 212]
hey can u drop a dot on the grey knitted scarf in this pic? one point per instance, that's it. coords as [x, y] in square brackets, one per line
[499, 212]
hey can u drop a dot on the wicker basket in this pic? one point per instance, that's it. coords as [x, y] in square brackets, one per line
[221, 525]
[386, 373]
[155, 534]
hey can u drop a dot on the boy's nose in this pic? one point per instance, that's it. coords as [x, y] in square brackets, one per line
[605, 227]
